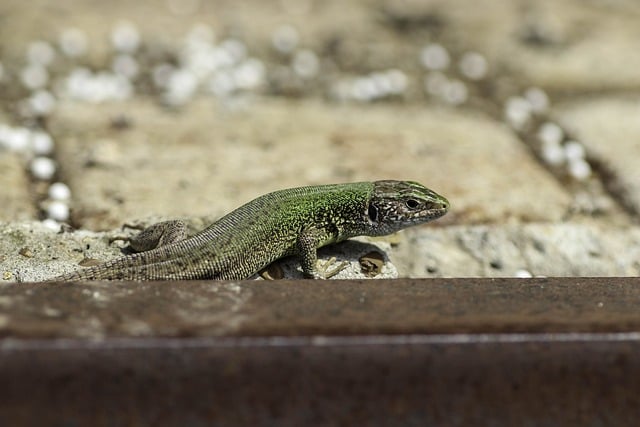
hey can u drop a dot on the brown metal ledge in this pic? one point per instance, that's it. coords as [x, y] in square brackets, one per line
[404, 352]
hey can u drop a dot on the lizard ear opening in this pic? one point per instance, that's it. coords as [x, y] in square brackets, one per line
[372, 212]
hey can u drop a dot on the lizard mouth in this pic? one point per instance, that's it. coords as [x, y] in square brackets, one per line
[439, 208]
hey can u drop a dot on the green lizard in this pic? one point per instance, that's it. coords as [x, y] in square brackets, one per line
[295, 221]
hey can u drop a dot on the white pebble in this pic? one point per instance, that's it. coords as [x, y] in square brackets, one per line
[523, 274]
[73, 42]
[517, 111]
[553, 154]
[125, 37]
[42, 143]
[579, 169]
[574, 150]
[285, 39]
[435, 57]
[550, 133]
[221, 58]
[34, 76]
[382, 82]
[455, 93]
[222, 83]
[305, 63]
[43, 168]
[206, 60]
[42, 103]
[58, 210]
[250, 74]
[86, 86]
[51, 224]
[181, 88]
[364, 89]
[538, 99]
[473, 66]
[40, 52]
[59, 191]
[15, 139]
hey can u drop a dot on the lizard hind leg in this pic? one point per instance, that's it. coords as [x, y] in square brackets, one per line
[160, 234]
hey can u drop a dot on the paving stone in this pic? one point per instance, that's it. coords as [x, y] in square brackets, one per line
[517, 250]
[33, 252]
[157, 167]
[15, 196]
[609, 128]
[562, 46]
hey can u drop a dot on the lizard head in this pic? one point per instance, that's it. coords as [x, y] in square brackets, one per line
[395, 205]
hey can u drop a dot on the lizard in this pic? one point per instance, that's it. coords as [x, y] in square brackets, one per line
[295, 221]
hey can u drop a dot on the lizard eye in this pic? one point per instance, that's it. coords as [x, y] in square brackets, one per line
[412, 203]
[372, 212]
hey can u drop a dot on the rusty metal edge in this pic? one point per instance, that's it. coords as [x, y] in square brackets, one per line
[457, 379]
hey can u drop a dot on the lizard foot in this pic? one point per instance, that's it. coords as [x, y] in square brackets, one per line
[329, 268]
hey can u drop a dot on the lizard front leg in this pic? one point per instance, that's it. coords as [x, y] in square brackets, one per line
[307, 248]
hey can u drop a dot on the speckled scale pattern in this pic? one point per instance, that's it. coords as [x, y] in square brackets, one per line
[266, 229]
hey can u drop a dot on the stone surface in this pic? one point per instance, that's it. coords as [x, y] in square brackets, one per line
[574, 249]
[609, 128]
[562, 46]
[157, 167]
[33, 252]
[15, 198]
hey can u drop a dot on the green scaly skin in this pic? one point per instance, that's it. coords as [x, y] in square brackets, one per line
[295, 221]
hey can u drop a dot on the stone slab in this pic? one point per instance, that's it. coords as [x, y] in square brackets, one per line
[208, 160]
[563, 46]
[570, 249]
[609, 128]
[32, 252]
[15, 194]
